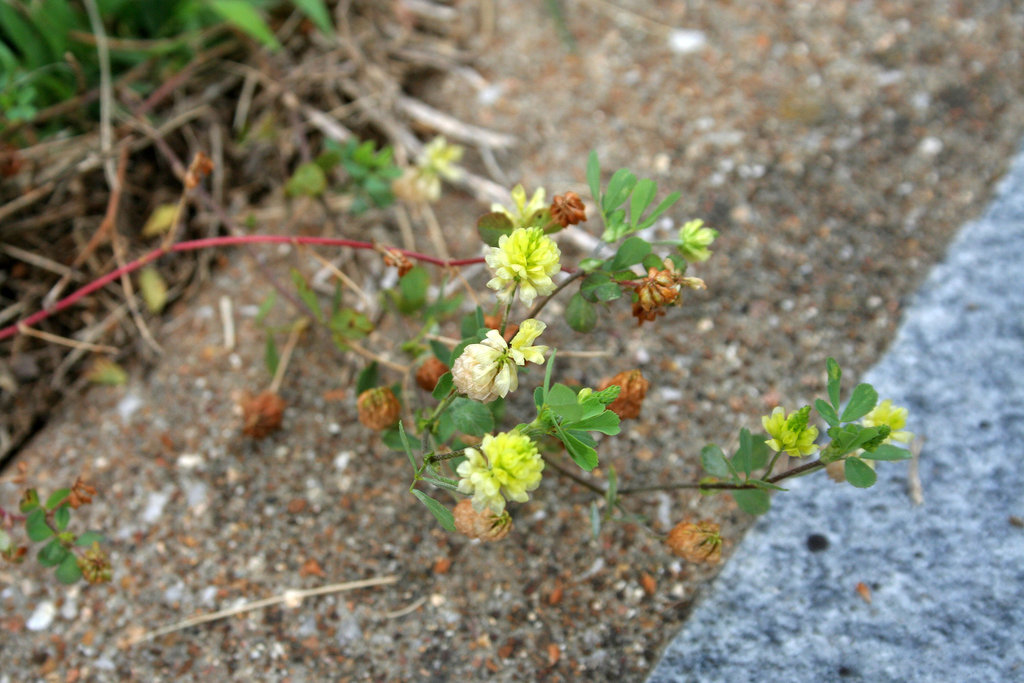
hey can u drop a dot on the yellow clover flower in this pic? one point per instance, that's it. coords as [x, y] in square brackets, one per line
[523, 210]
[694, 240]
[507, 466]
[423, 181]
[439, 158]
[487, 370]
[790, 433]
[525, 259]
[894, 417]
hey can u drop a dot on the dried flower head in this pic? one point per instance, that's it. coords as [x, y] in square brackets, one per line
[507, 465]
[378, 408]
[524, 260]
[485, 525]
[429, 372]
[95, 565]
[567, 209]
[200, 167]
[633, 387]
[261, 414]
[396, 259]
[659, 289]
[81, 494]
[698, 542]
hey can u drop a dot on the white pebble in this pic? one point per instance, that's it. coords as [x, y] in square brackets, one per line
[189, 461]
[42, 617]
[929, 146]
[127, 406]
[342, 459]
[155, 506]
[684, 41]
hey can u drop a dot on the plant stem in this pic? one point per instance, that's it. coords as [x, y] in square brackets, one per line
[727, 486]
[208, 243]
[14, 517]
[543, 302]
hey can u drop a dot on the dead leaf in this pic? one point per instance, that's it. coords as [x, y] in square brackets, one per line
[312, 568]
[153, 289]
[161, 220]
[106, 371]
[864, 592]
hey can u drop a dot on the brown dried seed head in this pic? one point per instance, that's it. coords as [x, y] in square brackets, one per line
[486, 525]
[836, 471]
[631, 397]
[396, 259]
[200, 167]
[95, 565]
[697, 542]
[378, 408]
[261, 414]
[81, 494]
[429, 372]
[567, 209]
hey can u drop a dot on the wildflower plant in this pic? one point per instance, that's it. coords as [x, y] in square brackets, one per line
[454, 434]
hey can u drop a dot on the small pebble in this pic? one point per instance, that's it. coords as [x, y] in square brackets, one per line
[42, 617]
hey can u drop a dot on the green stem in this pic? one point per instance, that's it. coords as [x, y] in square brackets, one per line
[543, 302]
[728, 486]
[771, 465]
[508, 310]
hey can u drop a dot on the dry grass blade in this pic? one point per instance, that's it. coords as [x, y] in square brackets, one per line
[289, 597]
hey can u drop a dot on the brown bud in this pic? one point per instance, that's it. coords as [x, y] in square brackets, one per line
[700, 542]
[429, 372]
[262, 414]
[494, 323]
[836, 471]
[378, 408]
[200, 167]
[396, 259]
[95, 565]
[631, 397]
[81, 494]
[567, 209]
[486, 525]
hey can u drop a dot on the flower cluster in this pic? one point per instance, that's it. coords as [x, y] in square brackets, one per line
[487, 370]
[524, 260]
[893, 417]
[524, 214]
[694, 240]
[506, 466]
[790, 434]
[422, 182]
[698, 542]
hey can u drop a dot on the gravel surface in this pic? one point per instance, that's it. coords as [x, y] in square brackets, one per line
[836, 146]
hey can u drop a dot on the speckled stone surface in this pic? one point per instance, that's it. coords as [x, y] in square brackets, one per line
[946, 577]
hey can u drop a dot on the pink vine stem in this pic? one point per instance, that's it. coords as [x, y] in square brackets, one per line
[210, 242]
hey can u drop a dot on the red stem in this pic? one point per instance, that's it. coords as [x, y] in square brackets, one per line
[209, 242]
